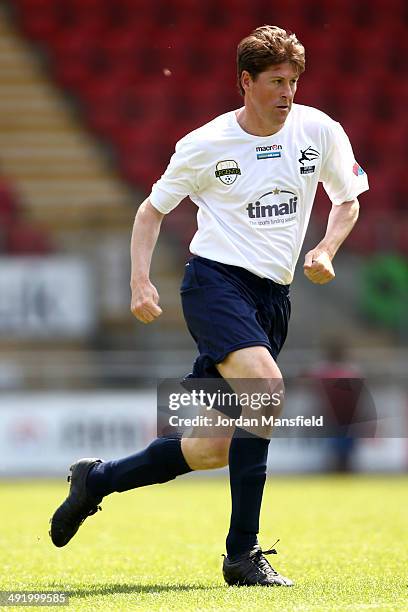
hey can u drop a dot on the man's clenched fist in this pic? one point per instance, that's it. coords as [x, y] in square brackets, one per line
[318, 267]
[145, 302]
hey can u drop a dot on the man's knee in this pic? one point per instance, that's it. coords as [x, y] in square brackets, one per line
[206, 453]
[250, 362]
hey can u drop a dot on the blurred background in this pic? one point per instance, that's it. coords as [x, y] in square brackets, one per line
[94, 95]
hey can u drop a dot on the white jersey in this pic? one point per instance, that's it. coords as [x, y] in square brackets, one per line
[255, 193]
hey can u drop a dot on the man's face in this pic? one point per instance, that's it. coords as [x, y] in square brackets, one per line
[271, 93]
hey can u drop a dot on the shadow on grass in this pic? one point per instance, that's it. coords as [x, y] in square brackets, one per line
[112, 589]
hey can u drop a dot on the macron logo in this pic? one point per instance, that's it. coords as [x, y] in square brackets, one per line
[274, 147]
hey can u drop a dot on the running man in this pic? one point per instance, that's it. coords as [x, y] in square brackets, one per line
[253, 174]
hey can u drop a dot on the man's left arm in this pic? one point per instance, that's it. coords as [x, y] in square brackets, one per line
[318, 267]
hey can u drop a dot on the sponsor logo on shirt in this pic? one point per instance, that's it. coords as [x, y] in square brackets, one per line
[307, 170]
[269, 151]
[308, 155]
[278, 206]
[227, 171]
[268, 155]
[357, 169]
[274, 147]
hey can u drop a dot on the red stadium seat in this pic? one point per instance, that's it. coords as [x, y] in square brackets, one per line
[40, 26]
[72, 53]
[90, 14]
[18, 236]
[141, 170]
[24, 239]
[9, 212]
[124, 44]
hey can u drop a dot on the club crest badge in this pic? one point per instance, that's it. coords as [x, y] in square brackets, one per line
[307, 155]
[227, 171]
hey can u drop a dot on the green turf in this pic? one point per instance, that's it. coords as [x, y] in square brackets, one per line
[343, 541]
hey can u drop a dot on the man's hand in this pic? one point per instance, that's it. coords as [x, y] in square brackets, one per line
[145, 302]
[318, 267]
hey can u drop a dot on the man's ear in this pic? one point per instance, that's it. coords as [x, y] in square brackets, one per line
[246, 80]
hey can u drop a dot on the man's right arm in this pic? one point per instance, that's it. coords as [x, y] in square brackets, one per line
[145, 298]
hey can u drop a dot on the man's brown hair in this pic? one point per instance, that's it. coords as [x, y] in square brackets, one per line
[267, 46]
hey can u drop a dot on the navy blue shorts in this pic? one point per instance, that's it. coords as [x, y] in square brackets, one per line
[227, 308]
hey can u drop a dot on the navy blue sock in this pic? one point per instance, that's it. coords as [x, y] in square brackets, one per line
[247, 466]
[161, 461]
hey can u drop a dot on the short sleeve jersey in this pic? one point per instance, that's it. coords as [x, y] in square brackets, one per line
[255, 193]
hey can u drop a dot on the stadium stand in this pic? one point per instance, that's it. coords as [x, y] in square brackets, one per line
[55, 165]
[59, 195]
[147, 72]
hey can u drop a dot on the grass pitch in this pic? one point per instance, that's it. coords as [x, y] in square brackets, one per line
[343, 542]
